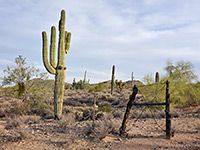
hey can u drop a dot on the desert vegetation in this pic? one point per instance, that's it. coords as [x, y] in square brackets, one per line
[28, 121]
[39, 113]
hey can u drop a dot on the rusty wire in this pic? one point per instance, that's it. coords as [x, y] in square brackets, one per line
[149, 109]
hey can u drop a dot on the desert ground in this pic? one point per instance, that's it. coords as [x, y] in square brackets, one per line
[77, 131]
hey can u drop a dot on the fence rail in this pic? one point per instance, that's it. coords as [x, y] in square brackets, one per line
[148, 104]
[131, 103]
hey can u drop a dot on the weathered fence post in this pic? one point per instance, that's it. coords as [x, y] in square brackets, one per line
[167, 111]
[128, 109]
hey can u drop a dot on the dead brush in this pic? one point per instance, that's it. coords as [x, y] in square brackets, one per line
[67, 119]
[17, 121]
[100, 128]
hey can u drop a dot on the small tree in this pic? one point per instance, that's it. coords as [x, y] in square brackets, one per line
[182, 77]
[19, 73]
[181, 71]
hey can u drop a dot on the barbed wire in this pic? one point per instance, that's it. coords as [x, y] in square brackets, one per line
[156, 121]
[149, 107]
[149, 85]
[136, 119]
[151, 95]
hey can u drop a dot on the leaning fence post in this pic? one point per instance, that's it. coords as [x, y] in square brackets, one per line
[128, 109]
[167, 111]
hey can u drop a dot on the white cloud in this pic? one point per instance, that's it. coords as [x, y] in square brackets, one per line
[136, 36]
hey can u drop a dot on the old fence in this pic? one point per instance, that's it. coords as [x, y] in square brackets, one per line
[131, 103]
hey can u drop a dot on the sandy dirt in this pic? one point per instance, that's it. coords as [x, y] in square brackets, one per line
[36, 132]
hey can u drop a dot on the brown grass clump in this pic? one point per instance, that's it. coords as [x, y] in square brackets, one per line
[99, 129]
[17, 121]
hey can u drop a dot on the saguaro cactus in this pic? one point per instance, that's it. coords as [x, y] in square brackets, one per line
[157, 77]
[113, 79]
[132, 79]
[84, 80]
[57, 69]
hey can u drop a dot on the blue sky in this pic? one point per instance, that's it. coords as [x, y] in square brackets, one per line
[136, 35]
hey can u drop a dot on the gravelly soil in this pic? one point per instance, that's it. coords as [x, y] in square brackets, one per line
[35, 132]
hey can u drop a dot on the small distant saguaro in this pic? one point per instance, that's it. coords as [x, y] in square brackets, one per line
[113, 79]
[84, 80]
[157, 77]
[57, 69]
[132, 79]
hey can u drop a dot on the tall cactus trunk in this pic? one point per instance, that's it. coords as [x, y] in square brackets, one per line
[58, 93]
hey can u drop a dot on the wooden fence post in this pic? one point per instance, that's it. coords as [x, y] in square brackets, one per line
[167, 111]
[128, 109]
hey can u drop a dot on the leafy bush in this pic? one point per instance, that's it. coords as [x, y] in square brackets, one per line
[101, 86]
[68, 86]
[106, 108]
[19, 73]
[82, 85]
[182, 87]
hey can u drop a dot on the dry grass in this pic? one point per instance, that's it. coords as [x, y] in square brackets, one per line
[17, 121]
[76, 129]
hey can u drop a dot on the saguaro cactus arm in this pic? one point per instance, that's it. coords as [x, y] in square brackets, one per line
[53, 47]
[47, 65]
[67, 41]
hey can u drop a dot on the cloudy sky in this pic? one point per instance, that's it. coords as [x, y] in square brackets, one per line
[136, 35]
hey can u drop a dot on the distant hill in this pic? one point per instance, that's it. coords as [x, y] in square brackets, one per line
[50, 83]
[108, 83]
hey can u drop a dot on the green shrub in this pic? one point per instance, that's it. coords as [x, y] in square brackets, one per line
[106, 108]
[68, 86]
[183, 90]
[82, 85]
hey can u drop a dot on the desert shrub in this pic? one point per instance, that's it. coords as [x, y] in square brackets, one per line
[83, 114]
[38, 106]
[19, 109]
[13, 91]
[100, 129]
[116, 102]
[100, 87]
[82, 85]
[39, 95]
[67, 109]
[183, 90]
[183, 94]
[68, 86]
[66, 119]
[106, 108]
[17, 121]
[102, 96]
[117, 114]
